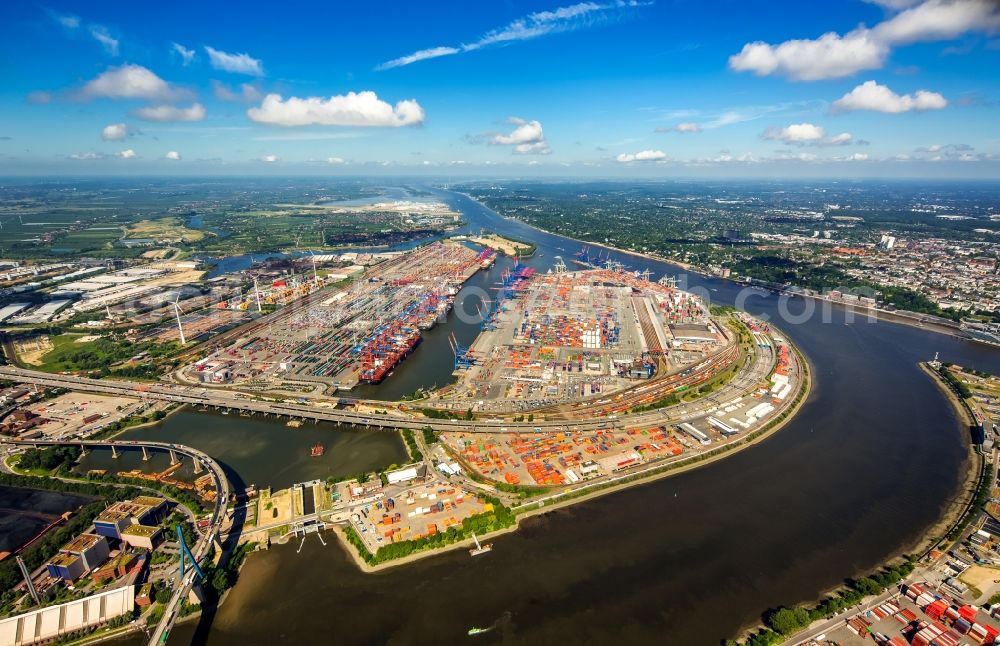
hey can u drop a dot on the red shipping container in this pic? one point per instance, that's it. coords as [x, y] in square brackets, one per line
[968, 613]
[936, 609]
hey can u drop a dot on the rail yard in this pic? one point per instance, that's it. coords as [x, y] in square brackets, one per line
[576, 339]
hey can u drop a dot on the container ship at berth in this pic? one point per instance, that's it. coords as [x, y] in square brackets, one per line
[387, 353]
[486, 258]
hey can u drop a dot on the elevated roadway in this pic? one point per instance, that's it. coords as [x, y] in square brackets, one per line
[201, 547]
[750, 375]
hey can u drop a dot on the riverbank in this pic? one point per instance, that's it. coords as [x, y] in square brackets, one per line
[956, 508]
[651, 473]
[880, 314]
[952, 514]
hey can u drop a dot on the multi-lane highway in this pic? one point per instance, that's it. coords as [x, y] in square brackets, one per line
[204, 542]
[751, 375]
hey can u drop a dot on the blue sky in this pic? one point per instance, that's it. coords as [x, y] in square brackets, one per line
[598, 88]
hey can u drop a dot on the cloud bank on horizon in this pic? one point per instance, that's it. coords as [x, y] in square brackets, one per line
[619, 87]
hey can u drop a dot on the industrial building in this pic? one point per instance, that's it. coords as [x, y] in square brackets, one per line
[78, 557]
[50, 623]
[145, 536]
[142, 510]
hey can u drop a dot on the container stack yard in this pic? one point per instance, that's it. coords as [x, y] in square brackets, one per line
[565, 458]
[922, 614]
[345, 335]
[554, 338]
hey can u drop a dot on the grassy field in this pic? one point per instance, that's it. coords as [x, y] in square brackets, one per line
[168, 228]
[52, 361]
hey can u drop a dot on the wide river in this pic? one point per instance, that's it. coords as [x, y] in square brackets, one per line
[860, 473]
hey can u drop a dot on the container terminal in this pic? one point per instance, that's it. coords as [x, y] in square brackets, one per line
[345, 335]
[575, 457]
[565, 341]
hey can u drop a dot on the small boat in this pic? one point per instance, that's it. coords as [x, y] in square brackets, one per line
[479, 631]
[479, 549]
[317, 450]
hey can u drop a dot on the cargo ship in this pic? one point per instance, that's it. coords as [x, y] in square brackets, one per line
[379, 361]
[317, 450]
[486, 258]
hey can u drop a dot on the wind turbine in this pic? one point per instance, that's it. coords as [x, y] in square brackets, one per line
[256, 291]
[177, 313]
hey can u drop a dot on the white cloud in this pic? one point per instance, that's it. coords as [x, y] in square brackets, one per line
[116, 132]
[86, 156]
[126, 154]
[129, 82]
[842, 139]
[69, 21]
[422, 55]
[802, 134]
[170, 113]
[236, 63]
[351, 109]
[173, 155]
[642, 156]
[247, 93]
[187, 55]
[688, 126]
[104, 37]
[336, 161]
[858, 157]
[894, 5]
[270, 159]
[797, 133]
[542, 23]
[939, 20]
[834, 56]
[829, 56]
[872, 96]
[527, 138]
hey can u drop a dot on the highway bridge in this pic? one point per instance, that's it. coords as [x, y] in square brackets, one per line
[201, 547]
[750, 375]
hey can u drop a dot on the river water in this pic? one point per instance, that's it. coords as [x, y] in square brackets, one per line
[859, 474]
[255, 450]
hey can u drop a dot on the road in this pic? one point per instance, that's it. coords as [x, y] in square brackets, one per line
[201, 548]
[750, 376]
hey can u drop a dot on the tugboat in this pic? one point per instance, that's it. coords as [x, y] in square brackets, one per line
[479, 549]
[317, 450]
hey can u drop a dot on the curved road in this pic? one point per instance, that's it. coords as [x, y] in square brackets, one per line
[199, 550]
